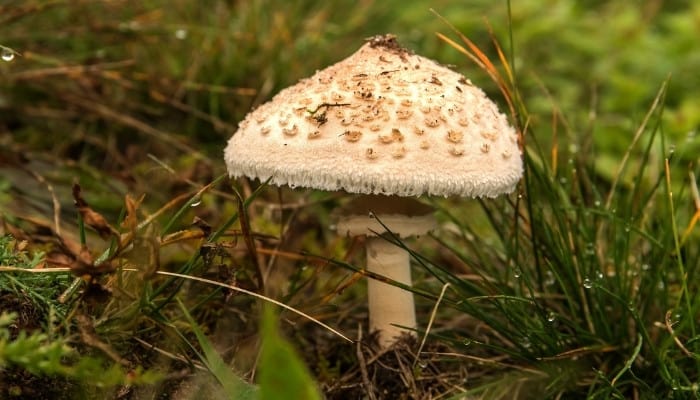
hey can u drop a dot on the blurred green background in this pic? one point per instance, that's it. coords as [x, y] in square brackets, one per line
[194, 68]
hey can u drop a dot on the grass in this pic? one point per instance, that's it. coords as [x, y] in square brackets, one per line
[125, 249]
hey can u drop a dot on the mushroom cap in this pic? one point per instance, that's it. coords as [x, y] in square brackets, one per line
[382, 121]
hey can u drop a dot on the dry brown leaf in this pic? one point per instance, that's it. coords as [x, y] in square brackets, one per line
[91, 217]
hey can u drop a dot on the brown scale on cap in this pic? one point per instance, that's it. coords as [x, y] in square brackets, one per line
[454, 136]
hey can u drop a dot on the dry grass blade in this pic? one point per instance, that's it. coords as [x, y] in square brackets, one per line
[696, 200]
[66, 70]
[129, 121]
[475, 54]
[249, 293]
[430, 323]
[669, 328]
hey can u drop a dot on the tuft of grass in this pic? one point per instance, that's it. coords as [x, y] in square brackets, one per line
[578, 287]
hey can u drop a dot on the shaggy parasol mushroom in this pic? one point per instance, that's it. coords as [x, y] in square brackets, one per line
[388, 123]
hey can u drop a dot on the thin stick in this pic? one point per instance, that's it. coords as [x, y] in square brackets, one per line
[369, 389]
[430, 323]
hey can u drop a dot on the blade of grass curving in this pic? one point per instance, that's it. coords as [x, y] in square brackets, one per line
[233, 385]
[188, 204]
[482, 61]
[630, 360]
[249, 293]
[281, 373]
[657, 105]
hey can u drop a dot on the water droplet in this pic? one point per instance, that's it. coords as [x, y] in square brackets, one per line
[646, 267]
[7, 54]
[587, 283]
[599, 275]
[181, 34]
[517, 273]
[196, 201]
[563, 181]
[371, 215]
[467, 342]
[526, 342]
[597, 203]
[627, 229]
[676, 318]
[590, 249]
[549, 278]
[551, 316]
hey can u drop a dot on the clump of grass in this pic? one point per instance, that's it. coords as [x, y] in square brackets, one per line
[34, 344]
[579, 286]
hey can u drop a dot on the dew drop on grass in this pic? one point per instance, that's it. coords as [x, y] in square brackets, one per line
[526, 342]
[551, 316]
[7, 55]
[181, 34]
[195, 202]
[599, 276]
[467, 342]
[597, 203]
[549, 279]
[646, 267]
[517, 273]
[677, 317]
[590, 249]
[587, 283]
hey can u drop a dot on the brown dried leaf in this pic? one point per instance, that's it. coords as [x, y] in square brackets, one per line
[131, 220]
[92, 218]
[82, 263]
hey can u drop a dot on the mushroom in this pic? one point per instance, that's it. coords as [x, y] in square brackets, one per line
[390, 124]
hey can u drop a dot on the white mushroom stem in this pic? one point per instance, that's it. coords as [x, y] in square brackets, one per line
[391, 308]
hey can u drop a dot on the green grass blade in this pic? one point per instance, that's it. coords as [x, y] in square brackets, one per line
[233, 385]
[282, 374]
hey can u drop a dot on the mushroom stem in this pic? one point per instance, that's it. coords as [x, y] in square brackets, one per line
[391, 308]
